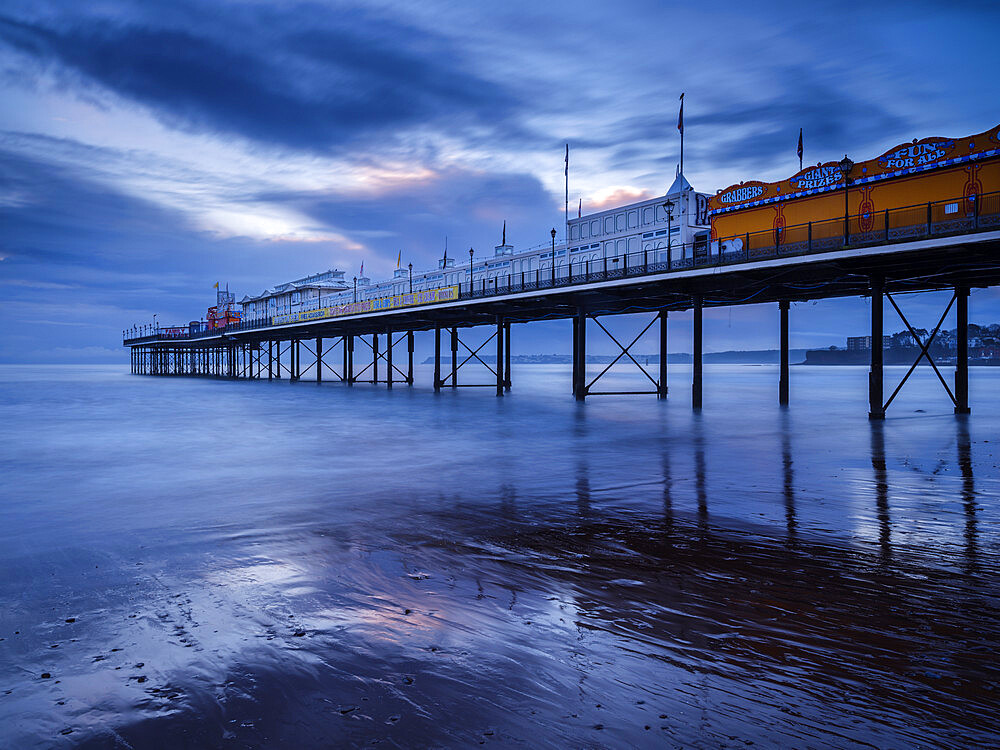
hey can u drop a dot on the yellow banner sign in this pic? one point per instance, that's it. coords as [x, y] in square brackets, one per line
[427, 297]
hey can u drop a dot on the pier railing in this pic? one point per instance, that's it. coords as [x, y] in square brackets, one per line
[944, 218]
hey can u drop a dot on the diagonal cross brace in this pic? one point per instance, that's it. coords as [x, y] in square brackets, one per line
[924, 347]
[305, 346]
[625, 352]
[383, 356]
[472, 354]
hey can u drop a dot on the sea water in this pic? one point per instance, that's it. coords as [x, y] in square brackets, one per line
[192, 562]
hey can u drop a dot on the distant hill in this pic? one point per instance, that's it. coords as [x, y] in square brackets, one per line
[755, 357]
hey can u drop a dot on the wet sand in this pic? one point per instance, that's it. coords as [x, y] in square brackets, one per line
[372, 568]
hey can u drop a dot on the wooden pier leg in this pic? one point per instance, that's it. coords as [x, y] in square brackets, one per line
[500, 330]
[962, 350]
[343, 353]
[696, 371]
[661, 385]
[506, 355]
[319, 360]
[270, 360]
[875, 395]
[576, 357]
[350, 360]
[388, 358]
[783, 352]
[580, 355]
[437, 358]
[454, 357]
[375, 358]
[409, 352]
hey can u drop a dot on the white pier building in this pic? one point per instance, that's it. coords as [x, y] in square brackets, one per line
[674, 223]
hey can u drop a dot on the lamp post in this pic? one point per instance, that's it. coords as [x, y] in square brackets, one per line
[846, 165]
[669, 208]
[471, 253]
[553, 256]
[410, 266]
[155, 326]
[355, 290]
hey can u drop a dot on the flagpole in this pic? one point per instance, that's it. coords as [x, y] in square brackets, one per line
[680, 127]
[566, 206]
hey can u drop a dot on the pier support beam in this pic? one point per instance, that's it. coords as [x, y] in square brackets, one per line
[962, 350]
[506, 356]
[319, 360]
[375, 359]
[783, 352]
[270, 360]
[343, 352]
[500, 359]
[876, 410]
[661, 387]
[454, 357]
[349, 370]
[409, 362]
[696, 355]
[580, 355]
[388, 358]
[437, 358]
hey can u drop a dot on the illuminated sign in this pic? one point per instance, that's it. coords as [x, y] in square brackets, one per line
[429, 296]
[741, 194]
[916, 155]
[817, 178]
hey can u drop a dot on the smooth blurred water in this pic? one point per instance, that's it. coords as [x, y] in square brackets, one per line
[201, 563]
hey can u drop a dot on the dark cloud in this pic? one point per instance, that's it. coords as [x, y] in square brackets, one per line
[317, 86]
[732, 132]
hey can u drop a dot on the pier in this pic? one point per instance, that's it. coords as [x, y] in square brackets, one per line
[882, 257]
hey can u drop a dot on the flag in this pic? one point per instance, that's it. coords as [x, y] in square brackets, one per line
[680, 117]
[399, 259]
[579, 209]
[362, 274]
[799, 150]
[216, 284]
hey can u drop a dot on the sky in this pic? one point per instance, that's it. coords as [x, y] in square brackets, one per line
[150, 149]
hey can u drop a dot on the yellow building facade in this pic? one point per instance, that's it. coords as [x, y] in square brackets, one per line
[936, 178]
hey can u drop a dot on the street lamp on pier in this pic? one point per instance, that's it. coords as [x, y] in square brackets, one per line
[669, 208]
[846, 165]
[355, 290]
[471, 253]
[410, 266]
[553, 256]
